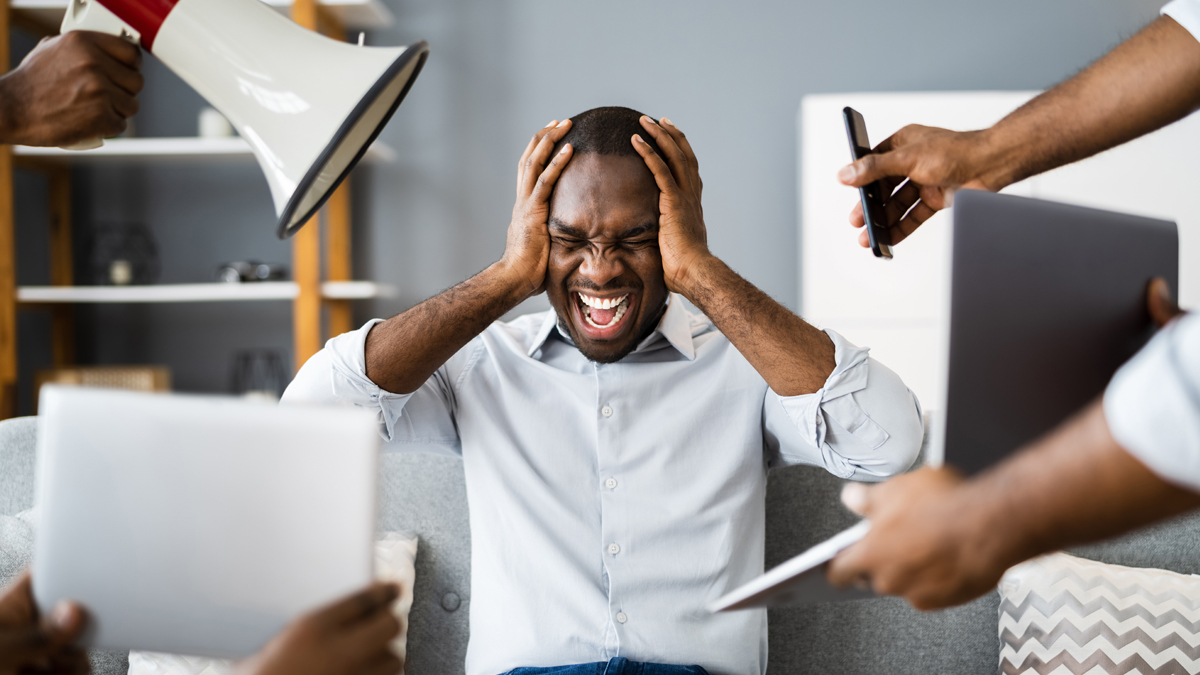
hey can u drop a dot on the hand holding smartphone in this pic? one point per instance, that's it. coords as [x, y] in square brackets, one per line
[874, 194]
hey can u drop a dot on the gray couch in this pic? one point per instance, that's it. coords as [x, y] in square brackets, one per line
[426, 495]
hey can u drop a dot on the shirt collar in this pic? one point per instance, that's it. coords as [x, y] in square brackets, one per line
[675, 325]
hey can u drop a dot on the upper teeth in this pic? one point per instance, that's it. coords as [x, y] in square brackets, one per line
[602, 303]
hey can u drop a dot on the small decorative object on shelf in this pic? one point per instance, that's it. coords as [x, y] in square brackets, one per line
[137, 378]
[123, 254]
[212, 124]
[260, 374]
[251, 270]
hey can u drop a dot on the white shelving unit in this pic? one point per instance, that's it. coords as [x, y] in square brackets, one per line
[211, 292]
[183, 149]
[352, 14]
[321, 292]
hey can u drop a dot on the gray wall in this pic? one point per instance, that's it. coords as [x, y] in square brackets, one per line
[730, 74]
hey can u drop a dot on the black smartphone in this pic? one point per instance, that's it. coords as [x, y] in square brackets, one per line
[872, 194]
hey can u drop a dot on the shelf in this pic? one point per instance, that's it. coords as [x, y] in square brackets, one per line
[352, 14]
[211, 292]
[187, 149]
[356, 290]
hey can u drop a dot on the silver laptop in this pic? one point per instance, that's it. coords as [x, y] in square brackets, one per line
[1046, 301]
[199, 525]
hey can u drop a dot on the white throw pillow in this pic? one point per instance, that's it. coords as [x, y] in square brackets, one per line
[1069, 616]
[395, 559]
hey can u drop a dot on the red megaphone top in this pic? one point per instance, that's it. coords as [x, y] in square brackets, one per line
[144, 16]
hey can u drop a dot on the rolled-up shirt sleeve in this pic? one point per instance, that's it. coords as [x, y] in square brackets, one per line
[1186, 13]
[422, 420]
[864, 424]
[1152, 404]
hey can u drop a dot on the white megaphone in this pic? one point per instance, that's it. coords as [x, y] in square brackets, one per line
[309, 106]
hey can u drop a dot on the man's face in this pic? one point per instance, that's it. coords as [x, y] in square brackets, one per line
[605, 277]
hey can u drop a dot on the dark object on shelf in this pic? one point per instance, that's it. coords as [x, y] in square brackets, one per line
[251, 270]
[123, 254]
[260, 373]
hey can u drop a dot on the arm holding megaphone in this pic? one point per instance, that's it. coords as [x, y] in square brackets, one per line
[72, 88]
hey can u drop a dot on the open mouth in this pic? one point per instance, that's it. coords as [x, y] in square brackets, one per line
[602, 318]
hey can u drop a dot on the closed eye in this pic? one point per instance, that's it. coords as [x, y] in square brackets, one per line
[641, 243]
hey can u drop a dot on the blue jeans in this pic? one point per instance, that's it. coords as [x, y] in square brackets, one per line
[617, 666]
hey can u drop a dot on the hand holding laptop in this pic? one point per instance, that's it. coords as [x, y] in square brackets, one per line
[351, 635]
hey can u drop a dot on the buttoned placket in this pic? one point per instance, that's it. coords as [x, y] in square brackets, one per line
[612, 547]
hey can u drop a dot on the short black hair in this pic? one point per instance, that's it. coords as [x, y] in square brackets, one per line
[606, 131]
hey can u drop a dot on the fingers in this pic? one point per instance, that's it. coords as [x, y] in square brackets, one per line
[65, 623]
[386, 663]
[857, 498]
[529, 151]
[677, 159]
[70, 661]
[120, 49]
[899, 203]
[357, 606]
[662, 174]
[18, 593]
[535, 162]
[918, 215]
[20, 647]
[127, 79]
[872, 168]
[379, 630]
[847, 569]
[856, 215]
[371, 637]
[1160, 303]
[123, 103]
[545, 182]
[681, 140]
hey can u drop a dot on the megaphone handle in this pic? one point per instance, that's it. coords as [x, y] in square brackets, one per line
[91, 15]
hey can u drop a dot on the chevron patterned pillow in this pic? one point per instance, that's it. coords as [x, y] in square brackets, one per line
[1061, 614]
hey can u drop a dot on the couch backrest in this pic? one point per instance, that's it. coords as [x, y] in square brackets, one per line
[18, 444]
[426, 494]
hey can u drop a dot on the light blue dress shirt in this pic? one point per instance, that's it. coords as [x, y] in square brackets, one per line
[1152, 404]
[610, 504]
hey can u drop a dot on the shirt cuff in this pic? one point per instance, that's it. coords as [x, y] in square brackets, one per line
[351, 384]
[1186, 13]
[1152, 405]
[812, 413]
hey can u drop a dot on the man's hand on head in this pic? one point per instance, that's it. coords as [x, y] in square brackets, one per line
[70, 88]
[927, 164]
[30, 643]
[682, 236]
[924, 543]
[527, 249]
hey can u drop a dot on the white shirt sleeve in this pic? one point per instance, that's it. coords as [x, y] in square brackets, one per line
[421, 421]
[1186, 13]
[1152, 405]
[864, 424]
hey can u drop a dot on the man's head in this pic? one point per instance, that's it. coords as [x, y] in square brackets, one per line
[605, 276]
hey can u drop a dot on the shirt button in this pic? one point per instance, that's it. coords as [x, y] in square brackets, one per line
[607, 411]
[621, 618]
[611, 483]
[614, 549]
